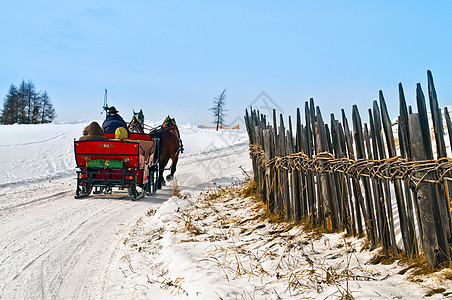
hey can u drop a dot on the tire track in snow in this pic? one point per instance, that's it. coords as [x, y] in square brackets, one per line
[57, 247]
[35, 143]
[57, 175]
[46, 198]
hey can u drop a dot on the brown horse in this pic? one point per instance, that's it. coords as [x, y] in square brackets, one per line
[170, 147]
[170, 142]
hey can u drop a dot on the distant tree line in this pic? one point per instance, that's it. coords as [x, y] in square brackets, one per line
[24, 105]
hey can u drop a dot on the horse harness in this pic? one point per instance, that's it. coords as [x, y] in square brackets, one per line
[170, 125]
[175, 131]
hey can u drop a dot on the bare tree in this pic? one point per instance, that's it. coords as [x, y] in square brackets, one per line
[218, 109]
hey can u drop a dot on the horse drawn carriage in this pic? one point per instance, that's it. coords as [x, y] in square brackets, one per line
[130, 165]
[136, 161]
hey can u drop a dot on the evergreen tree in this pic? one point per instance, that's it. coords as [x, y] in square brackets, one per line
[47, 110]
[10, 110]
[31, 100]
[24, 105]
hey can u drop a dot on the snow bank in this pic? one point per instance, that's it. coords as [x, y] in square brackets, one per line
[203, 247]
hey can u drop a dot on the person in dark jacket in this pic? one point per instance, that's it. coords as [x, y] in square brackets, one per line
[113, 121]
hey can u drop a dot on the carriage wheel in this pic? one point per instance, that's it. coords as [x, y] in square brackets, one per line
[83, 190]
[133, 192]
[148, 185]
[155, 179]
[152, 182]
[98, 190]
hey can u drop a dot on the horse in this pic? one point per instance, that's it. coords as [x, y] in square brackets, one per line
[137, 122]
[170, 147]
[170, 143]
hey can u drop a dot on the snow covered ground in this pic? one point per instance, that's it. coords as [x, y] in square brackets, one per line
[194, 246]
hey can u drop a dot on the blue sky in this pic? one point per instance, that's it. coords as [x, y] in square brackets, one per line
[174, 57]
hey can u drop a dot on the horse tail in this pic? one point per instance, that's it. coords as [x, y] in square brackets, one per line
[181, 146]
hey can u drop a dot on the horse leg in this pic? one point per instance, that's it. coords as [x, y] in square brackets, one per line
[162, 166]
[173, 167]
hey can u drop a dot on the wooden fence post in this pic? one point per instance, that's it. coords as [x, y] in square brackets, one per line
[295, 178]
[343, 147]
[356, 187]
[309, 174]
[277, 183]
[404, 140]
[334, 185]
[341, 180]
[284, 179]
[269, 171]
[434, 242]
[384, 188]
[405, 224]
[325, 179]
[433, 221]
[440, 148]
[377, 188]
[299, 146]
[368, 211]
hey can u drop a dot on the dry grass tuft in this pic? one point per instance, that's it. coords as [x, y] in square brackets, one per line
[189, 222]
[271, 217]
[432, 292]
[384, 258]
[173, 286]
[316, 231]
[446, 274]
[367, 245]
[416, 267]
[245, 295]
[249, 189]
[219, 191]
[176, 189]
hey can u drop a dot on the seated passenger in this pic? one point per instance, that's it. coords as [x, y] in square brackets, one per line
[121, 134]
[93, 132]
[113, 121]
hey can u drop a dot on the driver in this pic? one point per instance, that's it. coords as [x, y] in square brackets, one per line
[113, 121]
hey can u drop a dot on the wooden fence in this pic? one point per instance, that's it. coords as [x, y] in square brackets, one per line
[346, 180]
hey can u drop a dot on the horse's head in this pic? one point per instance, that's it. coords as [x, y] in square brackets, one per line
[137, 122]
[140, 116]
[169, 122]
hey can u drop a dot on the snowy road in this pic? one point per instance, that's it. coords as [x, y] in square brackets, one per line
[53, 246]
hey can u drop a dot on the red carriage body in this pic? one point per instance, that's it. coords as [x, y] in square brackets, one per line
[124, 164]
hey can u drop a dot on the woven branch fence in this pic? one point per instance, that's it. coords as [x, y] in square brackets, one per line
[377, 179]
